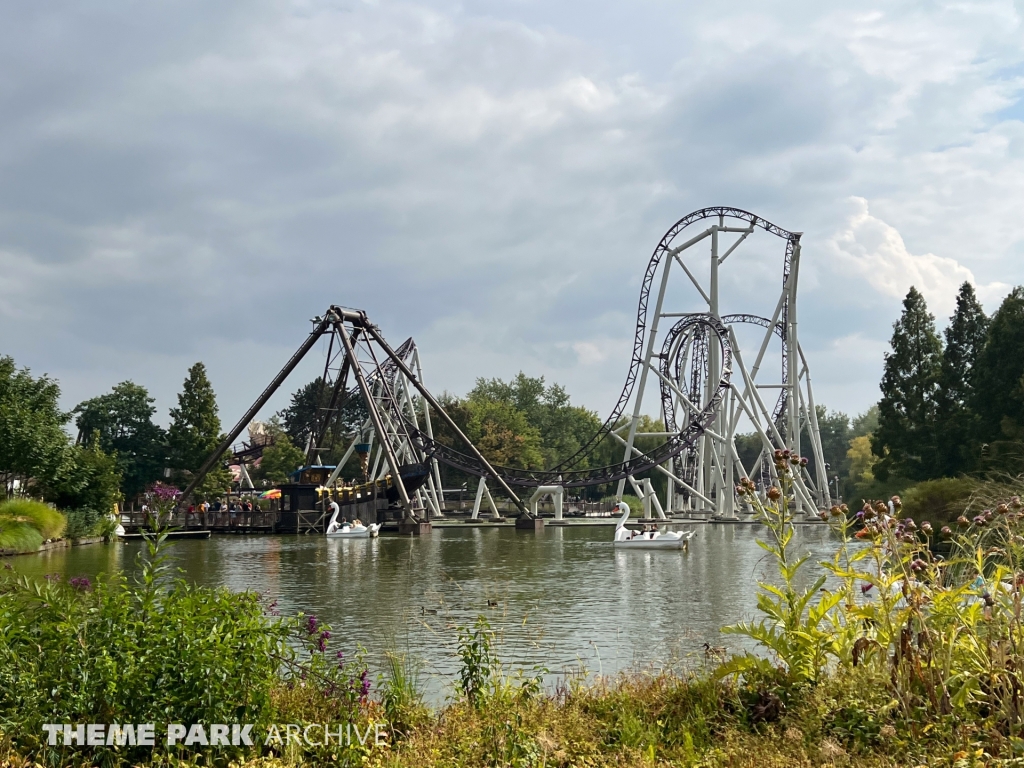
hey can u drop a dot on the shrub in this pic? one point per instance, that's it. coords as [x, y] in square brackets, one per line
[939, 500]
[82, 523]
[636, 506]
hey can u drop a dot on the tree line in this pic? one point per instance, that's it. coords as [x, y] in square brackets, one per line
[118, 451]
[954, 405]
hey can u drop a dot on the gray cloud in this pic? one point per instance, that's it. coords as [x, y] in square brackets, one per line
[185, 181]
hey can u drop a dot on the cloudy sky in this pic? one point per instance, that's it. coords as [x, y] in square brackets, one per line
[189, 181]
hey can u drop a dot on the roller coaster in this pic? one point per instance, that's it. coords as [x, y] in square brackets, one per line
[704, 392]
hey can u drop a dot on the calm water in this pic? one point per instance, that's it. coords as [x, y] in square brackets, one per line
[565, 598]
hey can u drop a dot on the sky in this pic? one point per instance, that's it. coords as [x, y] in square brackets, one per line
[184, 181]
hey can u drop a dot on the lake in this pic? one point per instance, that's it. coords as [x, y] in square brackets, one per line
[562, 599]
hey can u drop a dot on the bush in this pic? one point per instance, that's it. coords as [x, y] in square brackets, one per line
[636, 506]
[156, 651]
[939, 501]
[82, 523]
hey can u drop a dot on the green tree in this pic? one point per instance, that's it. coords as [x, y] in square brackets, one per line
[503, 434]
[956, 423]
[834, 429]
[33, 443]
[89, 479]
[195, 425]
[121, 423]
[999, 388]
[309, 407]
[905, 439]
[864, 423]
[280, 459]
[561, 426]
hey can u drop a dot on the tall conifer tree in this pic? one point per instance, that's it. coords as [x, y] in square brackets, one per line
[955, 426]
[999, 388]
[905, 438]
[195, 424]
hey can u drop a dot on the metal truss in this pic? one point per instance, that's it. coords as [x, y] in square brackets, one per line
[688, 370]
[694, 363]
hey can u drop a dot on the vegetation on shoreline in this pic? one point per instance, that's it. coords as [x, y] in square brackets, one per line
[893, 655]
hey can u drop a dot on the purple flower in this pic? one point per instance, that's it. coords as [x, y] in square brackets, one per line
[312, 624]
[164, 492]
[365, 681]
[326, 635]
[52, 577]
[321, 644]
[865, 588]
[81, 583]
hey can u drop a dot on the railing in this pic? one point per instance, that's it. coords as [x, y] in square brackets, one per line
[222, 520]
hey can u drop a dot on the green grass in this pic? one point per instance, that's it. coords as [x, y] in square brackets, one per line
[44, 518]
[19, 536]
[25, 524]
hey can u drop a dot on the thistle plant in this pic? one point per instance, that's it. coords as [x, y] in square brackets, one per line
[795, 629]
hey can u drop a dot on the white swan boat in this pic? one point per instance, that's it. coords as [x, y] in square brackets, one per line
[629, 539]
[346, 530]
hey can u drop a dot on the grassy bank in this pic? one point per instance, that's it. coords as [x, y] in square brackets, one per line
[909, 659]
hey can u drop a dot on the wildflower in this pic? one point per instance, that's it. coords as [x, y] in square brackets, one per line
[865, 588]
[946, 532]
[364, 680]
[1002, 509]
[774, 493]
[803, 461]
[312, 624]
[918, 565]
[844, 509]
[926, 528]
[835, 511]
[880, 508]
[81, 583]
[980, 521]
[52, 577]
[860, 515]
[909, 524]
[1016, 502]
[868, 511]
[962, 521]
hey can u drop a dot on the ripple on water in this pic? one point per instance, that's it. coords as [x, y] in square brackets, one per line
[561, 599]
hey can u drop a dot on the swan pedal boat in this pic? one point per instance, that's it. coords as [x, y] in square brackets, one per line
[627, 539]
[349, 531]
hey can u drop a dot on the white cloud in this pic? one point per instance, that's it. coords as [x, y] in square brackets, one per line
[874, 250]
[489, 178]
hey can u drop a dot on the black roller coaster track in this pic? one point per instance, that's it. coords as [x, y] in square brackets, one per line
[569, 473]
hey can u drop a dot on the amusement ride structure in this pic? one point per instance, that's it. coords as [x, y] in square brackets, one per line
[687, 366]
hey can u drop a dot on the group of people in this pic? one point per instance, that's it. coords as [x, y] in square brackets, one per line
[234, 508]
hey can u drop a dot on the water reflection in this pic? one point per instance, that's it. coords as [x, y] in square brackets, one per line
[559, 599]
